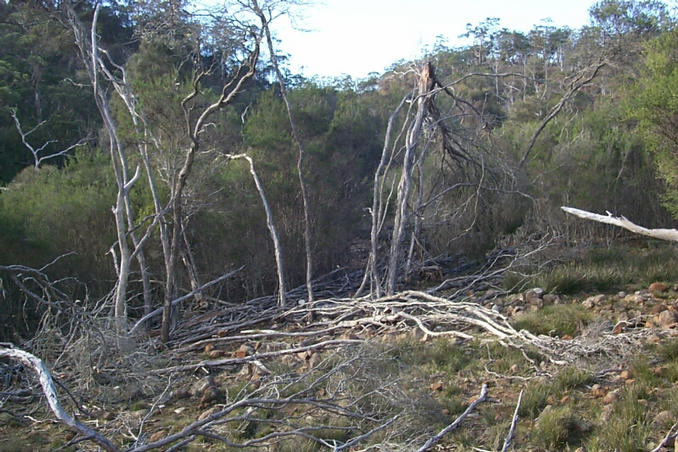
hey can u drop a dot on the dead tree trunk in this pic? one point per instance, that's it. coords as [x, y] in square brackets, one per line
[300, 147]
[49, 390]
[121, 210]
[277, 249]
[412, 140]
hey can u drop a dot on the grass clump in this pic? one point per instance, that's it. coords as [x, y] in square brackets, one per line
[555, 320]
[559, 427]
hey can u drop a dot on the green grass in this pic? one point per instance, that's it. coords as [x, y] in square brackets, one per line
[554, 320]
[605, 270]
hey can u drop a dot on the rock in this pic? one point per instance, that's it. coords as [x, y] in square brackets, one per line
[550, 298]
[666, 319]
[207, 413]
[244, 350]
[437, 386]
[656, 309]
[625, 375]
[534, 296]
[618, 328]
[593, 301]
[611, 396]
[663, 418]
[566, 337]
[657, 288]
[157, 436]
[621, 295]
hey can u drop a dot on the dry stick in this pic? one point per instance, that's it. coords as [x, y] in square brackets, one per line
[49, 390]
[514, 422]
[455, 424]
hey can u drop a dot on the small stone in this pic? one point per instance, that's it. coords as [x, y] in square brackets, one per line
[663, 418]
[666, 319]
[244, 350]
[208, 348]
[618, 328]
[437, 386]
[157, 436]
[625, 375]
[565, 399]
[566, 337]
[611, 396]
[621, 294]
[534, 296]
[513, 369]
[550, 298]
[593, 301]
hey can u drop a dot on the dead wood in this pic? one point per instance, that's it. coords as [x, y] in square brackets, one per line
[49, 390]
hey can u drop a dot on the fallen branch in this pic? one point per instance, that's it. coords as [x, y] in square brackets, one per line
[49, 390]
[434, 440]
[514, 423]
[623, 222]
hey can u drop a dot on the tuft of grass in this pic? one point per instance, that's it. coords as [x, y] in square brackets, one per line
[555, 320]
[559, 427]
[572, 377]
[534, 399]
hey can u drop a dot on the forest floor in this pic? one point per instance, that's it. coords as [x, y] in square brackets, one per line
[598, 371]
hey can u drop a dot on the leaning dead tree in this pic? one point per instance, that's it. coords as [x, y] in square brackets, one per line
[265, 21]
[662, 234]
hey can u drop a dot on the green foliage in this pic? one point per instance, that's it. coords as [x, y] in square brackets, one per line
[655, 106]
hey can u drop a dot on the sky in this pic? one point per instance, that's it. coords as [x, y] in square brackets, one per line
[332, 38]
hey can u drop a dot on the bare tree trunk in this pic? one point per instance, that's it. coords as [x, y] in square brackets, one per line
[400, 219]
[416, 211]
[297, 141]
[371, 272]
[277, 249]
[89, 55]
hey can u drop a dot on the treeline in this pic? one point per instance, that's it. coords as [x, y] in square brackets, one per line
[526, 122]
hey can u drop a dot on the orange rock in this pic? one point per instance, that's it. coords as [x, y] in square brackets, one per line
[625, 375]
[566, 337]
[658, 287]
[437, 386]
